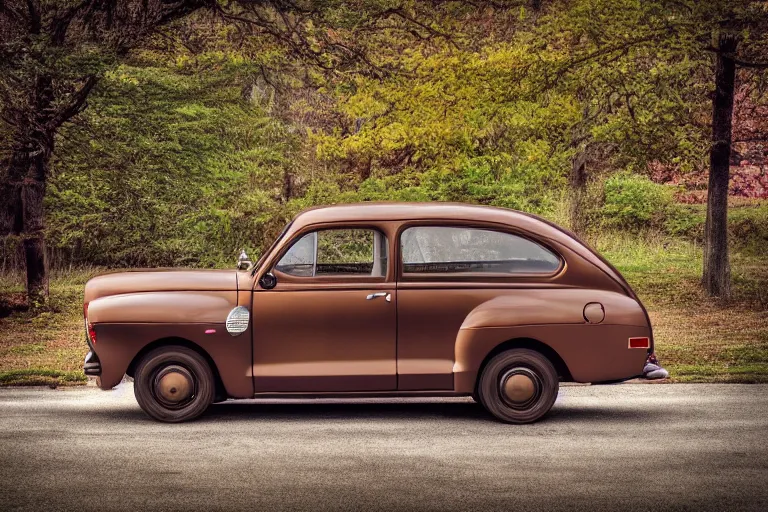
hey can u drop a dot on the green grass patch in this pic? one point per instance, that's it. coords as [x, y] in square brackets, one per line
[742, 374]
[41, 377]
[46, 346]
[698, 338]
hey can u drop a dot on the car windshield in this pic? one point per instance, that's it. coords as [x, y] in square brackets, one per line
[258, 263]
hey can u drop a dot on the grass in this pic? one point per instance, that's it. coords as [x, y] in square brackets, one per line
[698, 339]
[46, 347]
[41, 377]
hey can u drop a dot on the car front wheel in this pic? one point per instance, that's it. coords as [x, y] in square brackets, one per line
[174, 384]
[518, 386]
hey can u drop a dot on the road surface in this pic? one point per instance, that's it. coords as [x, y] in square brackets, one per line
[620, 447]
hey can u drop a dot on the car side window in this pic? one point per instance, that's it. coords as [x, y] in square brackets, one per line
[443, 249]
[300, 258]
[337, 252]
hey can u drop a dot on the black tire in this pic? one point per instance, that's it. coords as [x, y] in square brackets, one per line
[174, 364]
[507, 399]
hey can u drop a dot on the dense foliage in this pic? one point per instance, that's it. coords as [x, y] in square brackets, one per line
[174, 164]
[210, 136]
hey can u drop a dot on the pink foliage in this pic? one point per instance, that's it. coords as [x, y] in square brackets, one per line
[749, 156]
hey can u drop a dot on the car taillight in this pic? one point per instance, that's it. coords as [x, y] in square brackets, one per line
[643, 342]
[88, 325]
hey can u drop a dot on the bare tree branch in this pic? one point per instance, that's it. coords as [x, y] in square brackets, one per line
[75, 104]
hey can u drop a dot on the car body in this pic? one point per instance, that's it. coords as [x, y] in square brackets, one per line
[375, 299]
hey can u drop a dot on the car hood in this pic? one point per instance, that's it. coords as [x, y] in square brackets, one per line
[160, 280]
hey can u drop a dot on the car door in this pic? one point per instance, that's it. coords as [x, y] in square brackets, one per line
[445, 272]
[329, 323]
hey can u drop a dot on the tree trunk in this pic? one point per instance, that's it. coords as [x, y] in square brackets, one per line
[578, 187]
[287, 186]
[716, 278]
[33, 193]
[23, 188]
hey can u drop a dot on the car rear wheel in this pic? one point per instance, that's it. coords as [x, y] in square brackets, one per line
[174, 384]
[518, 386]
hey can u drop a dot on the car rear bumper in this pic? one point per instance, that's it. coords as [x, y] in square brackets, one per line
[92, 365]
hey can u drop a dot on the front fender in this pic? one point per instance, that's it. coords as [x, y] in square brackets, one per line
[126, 324]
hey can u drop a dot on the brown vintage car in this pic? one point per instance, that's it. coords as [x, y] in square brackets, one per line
[375, 300]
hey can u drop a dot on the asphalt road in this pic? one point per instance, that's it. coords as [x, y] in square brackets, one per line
[621, 447]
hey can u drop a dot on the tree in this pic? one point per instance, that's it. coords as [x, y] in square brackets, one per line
[514, 115]
[678, 31]
[717, 270]
[635, 86]
[54, 51]
[172, 163]
[716, 277]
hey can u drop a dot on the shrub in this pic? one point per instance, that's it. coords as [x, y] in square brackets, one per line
[748, 227]
[686, 220]
[634, 202]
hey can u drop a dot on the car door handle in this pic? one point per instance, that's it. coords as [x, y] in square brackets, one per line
[376, 295]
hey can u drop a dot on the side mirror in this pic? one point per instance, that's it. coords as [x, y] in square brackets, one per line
[268, 281]
[243, 261]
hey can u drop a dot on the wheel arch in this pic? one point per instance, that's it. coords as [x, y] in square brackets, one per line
[532, 344]
[473, 355]
[221, 391]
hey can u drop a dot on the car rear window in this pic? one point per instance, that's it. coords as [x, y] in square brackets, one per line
[444, 249]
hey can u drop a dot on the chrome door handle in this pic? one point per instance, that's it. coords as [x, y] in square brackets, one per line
[372, 296]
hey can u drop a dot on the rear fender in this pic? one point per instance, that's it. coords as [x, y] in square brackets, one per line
[591, 351]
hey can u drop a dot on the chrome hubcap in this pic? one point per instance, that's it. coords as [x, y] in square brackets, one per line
[520, 388]
[173, 385]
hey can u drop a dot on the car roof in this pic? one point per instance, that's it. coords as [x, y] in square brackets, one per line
[398, 212]
[407, 211]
